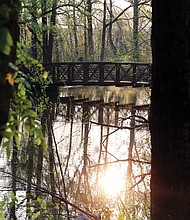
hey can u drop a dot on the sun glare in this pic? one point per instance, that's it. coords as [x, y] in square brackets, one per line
[111, 182]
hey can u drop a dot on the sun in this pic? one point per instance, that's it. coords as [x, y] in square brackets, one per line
[111, 182]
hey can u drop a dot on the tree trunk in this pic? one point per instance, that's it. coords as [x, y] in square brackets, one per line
[170, 111]
[130, 150]
[30, 169]
[75, 32]
[136, 31]
[40, 157]
[14, 173]
[90, 30]
[85, 144]
[51, 155]
[112, 46]
[51, 32]
[11, 17]
[34, 37]
[45, 33]
[85, 37]
[102, 53]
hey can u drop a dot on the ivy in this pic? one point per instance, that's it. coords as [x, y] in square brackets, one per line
[36, 215]
[6, 41]
[22, 114]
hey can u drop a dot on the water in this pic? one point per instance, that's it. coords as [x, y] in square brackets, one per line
[95, 166]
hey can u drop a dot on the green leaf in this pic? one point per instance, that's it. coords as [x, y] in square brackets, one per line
[2, 216]
[12, 195]
[39, 141]
[5, 11]
[44, 145]
[43, 204]
[32, 113]
[36, 215]
[9, 38]
[17, 140]
[7, 134]
[23, 92]
[6, 41]
[27, 125]
[4, 48]
[39, 200]
[45, 75]
[8, 151]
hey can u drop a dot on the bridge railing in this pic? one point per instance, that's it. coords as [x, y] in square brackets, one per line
[100, 73]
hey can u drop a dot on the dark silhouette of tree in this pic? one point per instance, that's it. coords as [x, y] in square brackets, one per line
[8, 39]
[170, 110]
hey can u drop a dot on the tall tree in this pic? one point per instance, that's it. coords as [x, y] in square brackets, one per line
[34, 37]
[170, 110]
[110, 37]
[136, 30]
[103, 42]
[47, 26]
[90, 29]
[75, 32]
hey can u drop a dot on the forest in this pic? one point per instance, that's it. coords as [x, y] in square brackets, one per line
[48, 170]
[94, 152]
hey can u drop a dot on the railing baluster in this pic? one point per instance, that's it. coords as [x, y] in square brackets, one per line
[69, 73]
[85, 72]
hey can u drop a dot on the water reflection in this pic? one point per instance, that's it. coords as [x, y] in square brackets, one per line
[101, 154]
[123, 95]
[109, 158]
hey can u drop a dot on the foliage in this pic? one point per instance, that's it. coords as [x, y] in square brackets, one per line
[6, 41]
[37, 76]
[6, 202]
[71, 35]
[22, 113]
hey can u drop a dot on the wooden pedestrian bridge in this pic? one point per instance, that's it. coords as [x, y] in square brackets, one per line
[134, 74]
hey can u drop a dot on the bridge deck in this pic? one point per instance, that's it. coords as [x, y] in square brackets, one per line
[100, 73]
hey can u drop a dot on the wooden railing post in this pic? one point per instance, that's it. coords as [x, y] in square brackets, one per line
[118, 67]
[101, 73]
[51, 69]
[134, 74]
[69, 73]
[85, 72]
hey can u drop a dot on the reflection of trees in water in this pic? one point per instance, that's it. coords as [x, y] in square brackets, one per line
[109, 93]
[102, 148]
[86, 139]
